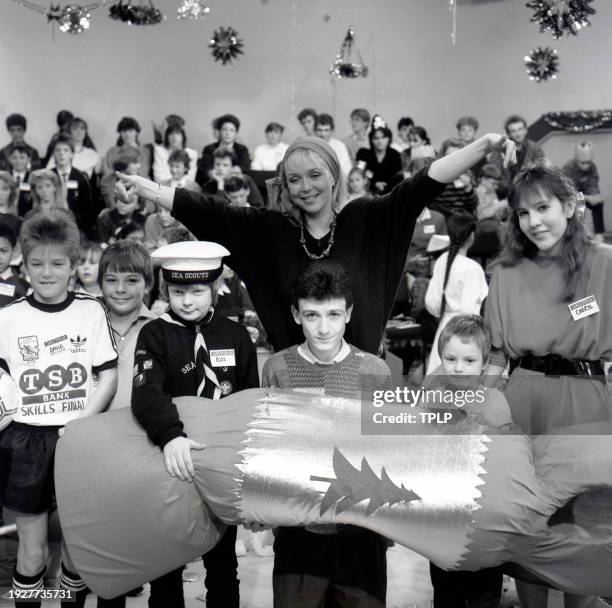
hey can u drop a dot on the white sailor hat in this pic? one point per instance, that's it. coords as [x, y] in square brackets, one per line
[191, 261]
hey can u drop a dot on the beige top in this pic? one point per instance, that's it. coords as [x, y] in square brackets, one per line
[526, 314]
[126, 345]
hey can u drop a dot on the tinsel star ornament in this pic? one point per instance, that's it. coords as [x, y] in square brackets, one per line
[192, 9]
[348, 62]
[542, 64]
[225, 45]
[136, 13]
[561, 16]
[74, 19]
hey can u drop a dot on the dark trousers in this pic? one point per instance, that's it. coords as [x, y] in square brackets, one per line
[598, 217]
[222, 585]
[462, 589]
[347, 570]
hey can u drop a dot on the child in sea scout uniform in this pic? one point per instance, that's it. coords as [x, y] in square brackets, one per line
[191, 350]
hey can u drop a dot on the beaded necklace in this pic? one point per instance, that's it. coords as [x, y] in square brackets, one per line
[325, 253]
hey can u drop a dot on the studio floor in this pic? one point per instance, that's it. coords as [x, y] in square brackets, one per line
[408, 584]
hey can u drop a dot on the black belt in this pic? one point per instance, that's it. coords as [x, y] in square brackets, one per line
[554, 365]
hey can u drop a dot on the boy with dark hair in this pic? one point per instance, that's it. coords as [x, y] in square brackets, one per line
[12, 286]
[402, 143]
[223, 168]
[16, 125]
[191, 350]
[527, 151]
[179, 164]
[308, 119]
[325, 129]
[327, 565]
[52, 342]
[268, 156]
[76, 184]
[360, 121]
[19, 168]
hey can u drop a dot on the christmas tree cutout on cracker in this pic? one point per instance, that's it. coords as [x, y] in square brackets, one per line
[352, 486]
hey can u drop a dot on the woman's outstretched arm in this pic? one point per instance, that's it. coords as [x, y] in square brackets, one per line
[448, 168]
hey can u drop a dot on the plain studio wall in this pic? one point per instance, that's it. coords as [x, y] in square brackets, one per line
[114, 69]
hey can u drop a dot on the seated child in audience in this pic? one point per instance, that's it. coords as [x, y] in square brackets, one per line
[87, 269]
[268, 156]
[19, 168]
[489, 231]
[12, 286]
[53, 315]
[8, 202]
[358, 185]
[402, 143]
[175, 140]
[155, 224]
[179, 164]
[47, 192]
[16, 125]
[132, 231]
[232, 295]
[224, 166]
[76, 184]
[360, 122]
[459, 196]
[458, 284]
[166, 367]
[238, 190]
[326, 565]
[420, 145]
[585, 177]
[464, 348]
[308, 119]
[110, 221]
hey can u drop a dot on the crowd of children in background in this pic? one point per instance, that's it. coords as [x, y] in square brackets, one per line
[74, 176]
[455, 238]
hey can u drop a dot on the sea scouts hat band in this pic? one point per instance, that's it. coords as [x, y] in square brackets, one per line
[186, 277]
[191, 261]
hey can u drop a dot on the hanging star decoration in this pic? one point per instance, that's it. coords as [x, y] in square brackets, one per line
[71, 19]
[225, 45]
[74, 20]
[542, 64]
[352, 486]
[561, 16]
[192, 9]
[136, 13]
[348, 62]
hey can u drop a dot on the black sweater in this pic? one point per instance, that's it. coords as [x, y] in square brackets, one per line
[164, 367]
[371, 241]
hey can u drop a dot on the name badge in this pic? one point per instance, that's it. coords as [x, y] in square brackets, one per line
[6, 289]
[223, 358]
[72, 184]
[429, 229]
[25, 187]
[583, 308]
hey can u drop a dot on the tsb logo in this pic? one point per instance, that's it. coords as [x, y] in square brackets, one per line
[54, 378]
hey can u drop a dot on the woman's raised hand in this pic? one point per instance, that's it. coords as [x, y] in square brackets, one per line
[506, 148]
[129, 185]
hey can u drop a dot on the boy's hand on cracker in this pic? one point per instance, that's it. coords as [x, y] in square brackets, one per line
[177, 457]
